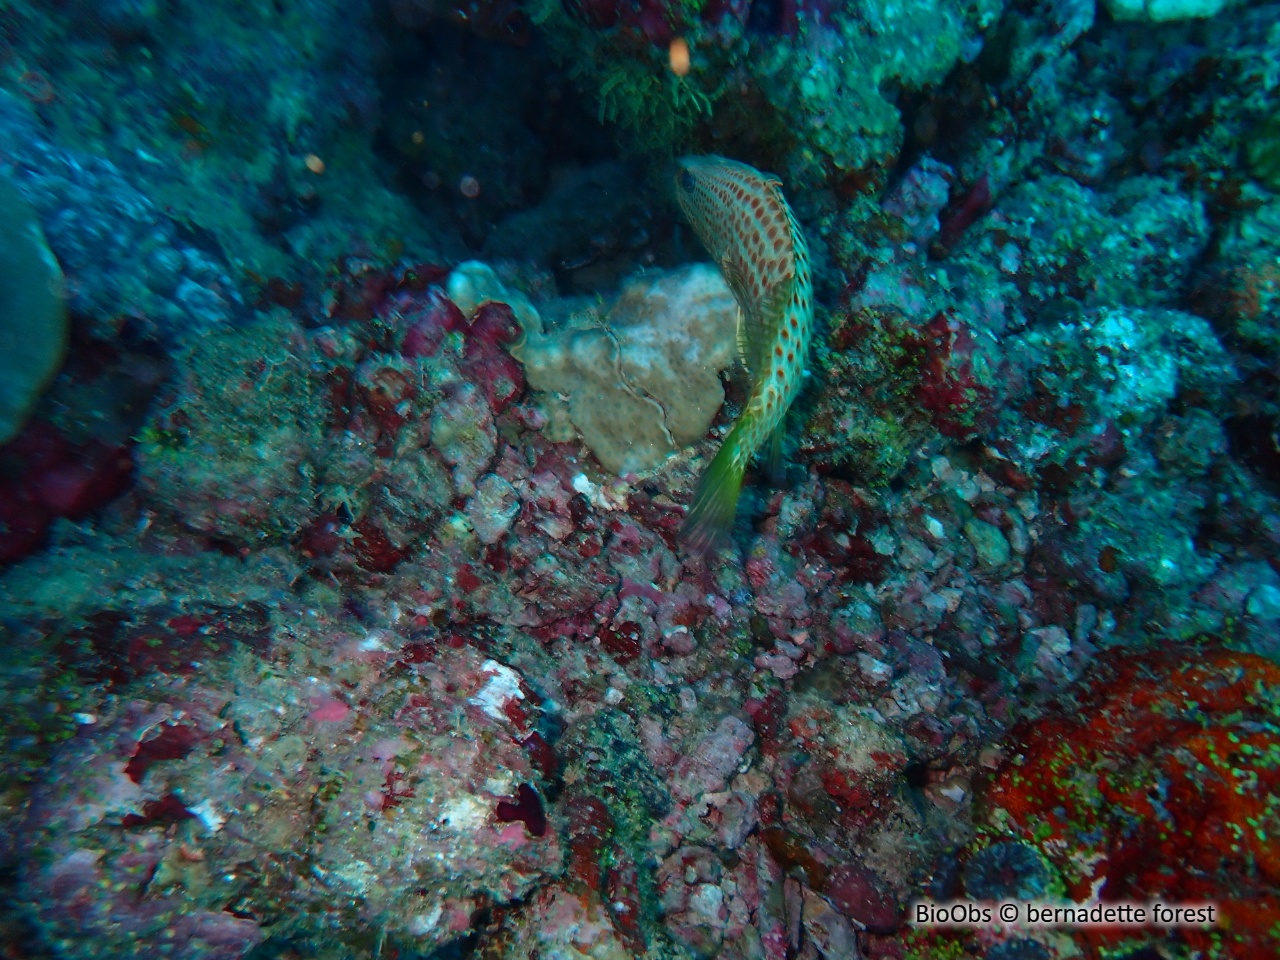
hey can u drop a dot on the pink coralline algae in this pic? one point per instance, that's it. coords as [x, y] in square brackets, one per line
[715, 757]
[404, 827]
[48, 476]
[431, 320]
[951, 388]
[483, 359]
[966, 209]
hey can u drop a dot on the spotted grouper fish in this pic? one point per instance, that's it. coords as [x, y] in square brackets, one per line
[744, 222]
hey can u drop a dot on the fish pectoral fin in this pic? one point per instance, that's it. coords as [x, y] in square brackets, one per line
[774, 464]
[759, 329]
[775, 298]
[740, 379]
[740, 332]
[735, 275]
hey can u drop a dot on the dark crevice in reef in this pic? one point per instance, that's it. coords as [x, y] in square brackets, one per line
[494, 144]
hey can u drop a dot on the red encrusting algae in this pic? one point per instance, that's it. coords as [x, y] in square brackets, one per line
[1161, 783]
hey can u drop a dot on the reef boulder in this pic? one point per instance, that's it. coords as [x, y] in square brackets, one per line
[33, 317]
[645, 380]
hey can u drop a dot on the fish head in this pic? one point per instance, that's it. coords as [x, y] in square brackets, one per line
[700, 191]
[686, 181]
[688, 170]
[741, 218]
[687, 177]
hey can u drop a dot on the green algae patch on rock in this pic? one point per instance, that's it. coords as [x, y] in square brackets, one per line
[644, 381]
[33, 314]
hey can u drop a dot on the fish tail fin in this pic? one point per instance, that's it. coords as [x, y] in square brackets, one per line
[709, 521]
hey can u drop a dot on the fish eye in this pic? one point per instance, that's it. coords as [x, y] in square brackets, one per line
[686, 181]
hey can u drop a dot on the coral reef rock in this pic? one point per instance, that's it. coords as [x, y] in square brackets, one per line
[33, 319]
[645, 381]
